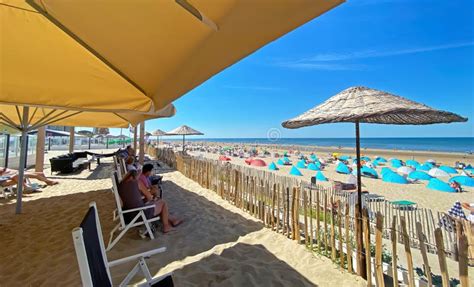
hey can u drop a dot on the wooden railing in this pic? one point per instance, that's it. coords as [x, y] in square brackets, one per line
[323, 220]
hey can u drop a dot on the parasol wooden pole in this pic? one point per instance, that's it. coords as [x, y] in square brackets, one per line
[360, 250]
[71, 139]
[40, 142]
[141, 158]
[135, 138]
[183, 143]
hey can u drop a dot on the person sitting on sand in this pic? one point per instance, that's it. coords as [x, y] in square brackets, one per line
[454, 184]
[132, 198]
[13, 177]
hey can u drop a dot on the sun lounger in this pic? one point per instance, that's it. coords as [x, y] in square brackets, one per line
[92, 258]
[120, 215]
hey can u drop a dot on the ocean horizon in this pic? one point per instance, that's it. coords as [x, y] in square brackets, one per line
[439, 144]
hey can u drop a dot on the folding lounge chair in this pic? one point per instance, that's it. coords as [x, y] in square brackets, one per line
[92, 259]
[123, 225]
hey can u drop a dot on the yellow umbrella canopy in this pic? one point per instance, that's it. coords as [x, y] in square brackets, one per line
[129, 50]
[25, 119]
[11, 116]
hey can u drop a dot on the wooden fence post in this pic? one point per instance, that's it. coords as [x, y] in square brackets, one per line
[306, 235]
[348, 240]
[368, 257]
[318, 223]
[339, 230]
[378, 250]
[463, 261]
[421, 238]
[406, 241]
[325, 224]
[394, 252]
[333, 237]
[442, 257]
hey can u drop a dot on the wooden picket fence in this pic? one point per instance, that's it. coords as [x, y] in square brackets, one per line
[323, 220]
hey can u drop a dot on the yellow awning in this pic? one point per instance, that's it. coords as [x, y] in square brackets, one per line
[107, 54]
[11, 116]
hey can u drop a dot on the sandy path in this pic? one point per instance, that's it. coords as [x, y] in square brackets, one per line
[217, 245]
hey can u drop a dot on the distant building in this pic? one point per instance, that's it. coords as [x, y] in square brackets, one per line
[59, 128]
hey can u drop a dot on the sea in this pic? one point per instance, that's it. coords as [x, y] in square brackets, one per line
[439, 144]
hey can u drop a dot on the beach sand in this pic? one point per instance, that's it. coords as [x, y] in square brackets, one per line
[217, 245]
[417, 192]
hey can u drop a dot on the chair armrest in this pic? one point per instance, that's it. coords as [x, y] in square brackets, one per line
[138, 208]
[137, 256]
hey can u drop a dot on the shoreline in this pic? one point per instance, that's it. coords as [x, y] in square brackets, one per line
[351, 150]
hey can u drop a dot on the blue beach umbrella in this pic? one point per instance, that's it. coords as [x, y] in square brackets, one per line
[370, 172]
[463, 180]
[419, 175]
[394, 178]
[430, 164]
[376, 162]
[295, 171]
[342, 168]
[365, 158]
[313, 157]
[385, 170]
[440, 185]
[396, 163]
[344, 157]
[423, 167]
[301, 164]
[280, 162]
[448, 169]
[272, 166]
[320, 176]
[286, 159]
[412, 163]
[381, 159]
[313, 166]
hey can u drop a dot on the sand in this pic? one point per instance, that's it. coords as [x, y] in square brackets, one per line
[418, 192]
[217, 245]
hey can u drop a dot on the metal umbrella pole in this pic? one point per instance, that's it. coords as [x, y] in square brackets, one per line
[21, 168]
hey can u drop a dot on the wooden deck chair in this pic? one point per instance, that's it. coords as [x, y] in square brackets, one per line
[123, 226]
[118, 168]
[92, 258]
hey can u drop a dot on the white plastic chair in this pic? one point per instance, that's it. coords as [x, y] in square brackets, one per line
[92, 258]
[138, 220]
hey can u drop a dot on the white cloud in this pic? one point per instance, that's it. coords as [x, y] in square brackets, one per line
[336, 61]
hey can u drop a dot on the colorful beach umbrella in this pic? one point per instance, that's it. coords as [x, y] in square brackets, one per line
[436, 172]
[367, 171]
[463, 180]
[365, 158]
[313, 166]
[412, 163]
[272, 166]
[384, 170]
[423, 167]
[393, 177]
[258, 162]
[381, 159]
[419, 175]
[405, 170]
[320, 176]
[440, 185]
[295, 171]
[396, 163]
[342, 168]
[344, 157]
[301, 164]
[280, 162]
[448, 169]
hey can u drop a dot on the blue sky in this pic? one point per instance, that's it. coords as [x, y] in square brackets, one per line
[422, 50]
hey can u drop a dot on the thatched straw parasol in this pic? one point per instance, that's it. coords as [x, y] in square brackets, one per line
[365, 105]
[184, 130]
[158, 133]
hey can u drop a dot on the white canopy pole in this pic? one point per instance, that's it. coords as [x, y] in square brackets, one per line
[21, 165]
